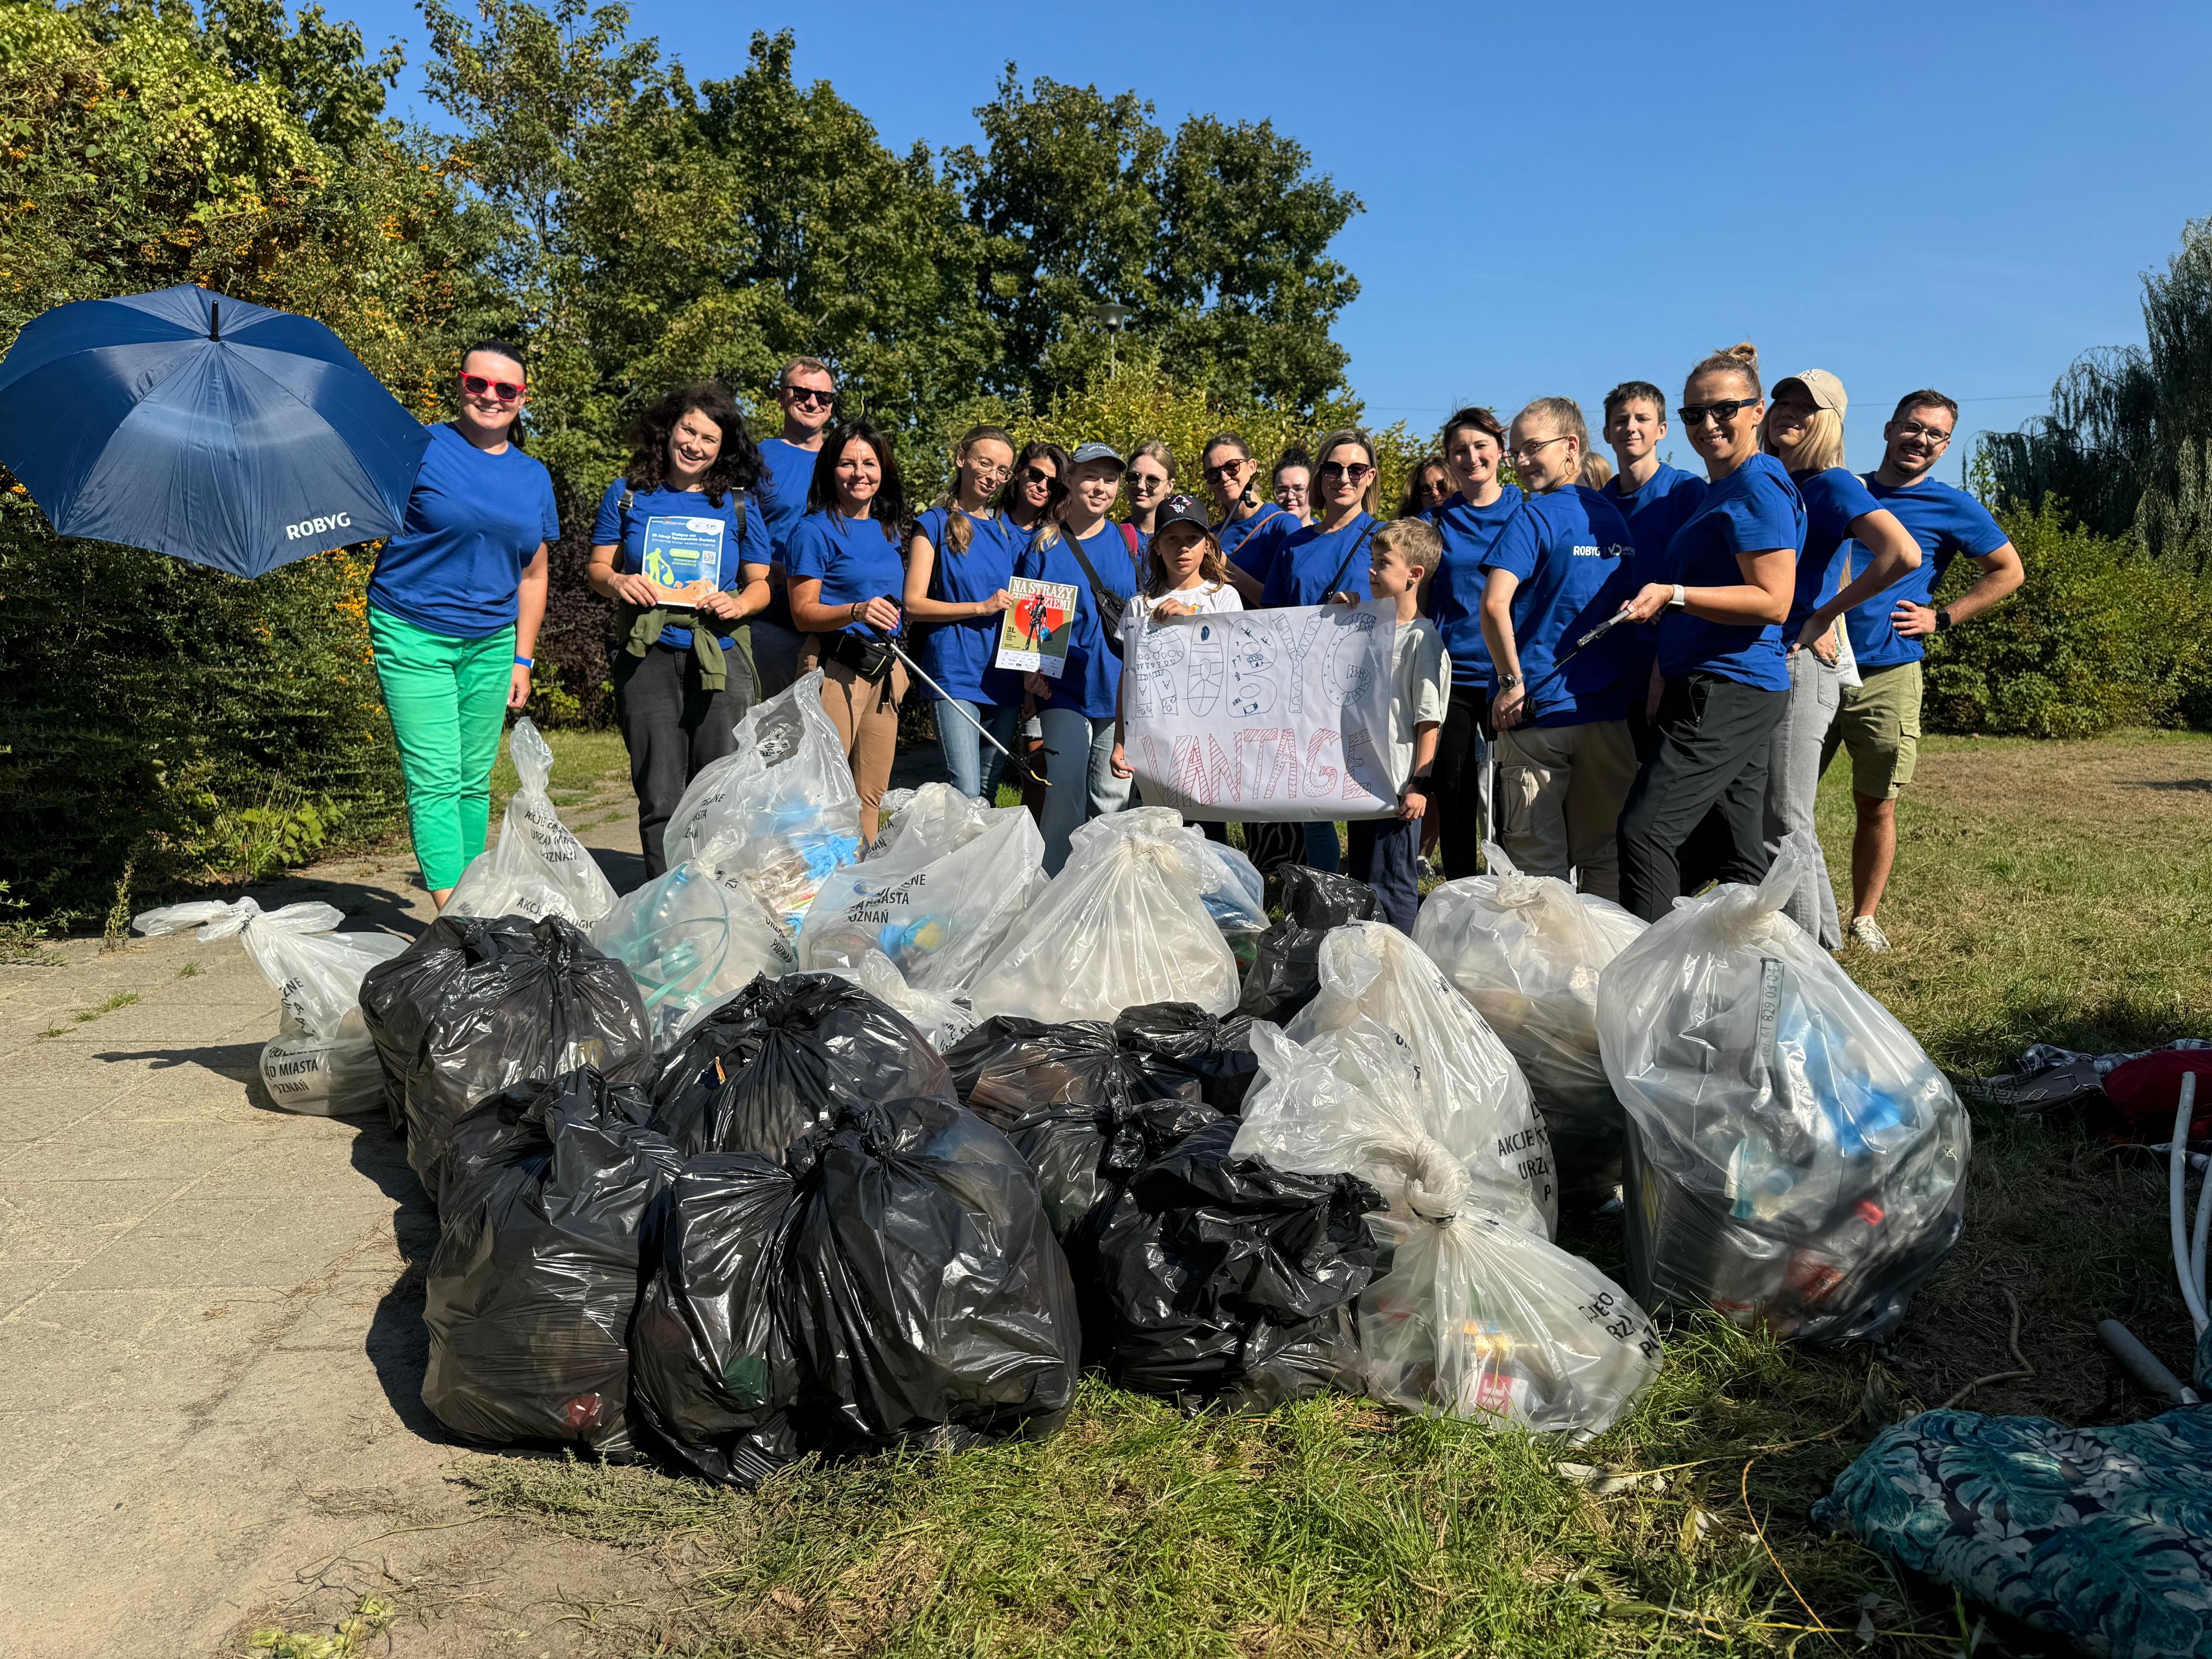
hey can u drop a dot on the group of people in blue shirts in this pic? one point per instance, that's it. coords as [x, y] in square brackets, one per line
[1647, 679]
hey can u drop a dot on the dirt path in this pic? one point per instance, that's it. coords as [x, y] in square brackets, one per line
[211, 1339]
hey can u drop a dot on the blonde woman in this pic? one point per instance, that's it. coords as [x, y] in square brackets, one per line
[959, 559]
[1329, 555]
[1804, 431]
[1149, 481]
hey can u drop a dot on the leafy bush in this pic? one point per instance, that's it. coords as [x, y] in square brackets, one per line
[2098, 636]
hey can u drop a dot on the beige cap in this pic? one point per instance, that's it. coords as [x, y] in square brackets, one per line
[1826, 391]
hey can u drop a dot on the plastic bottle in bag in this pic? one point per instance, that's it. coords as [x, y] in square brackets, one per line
[546, 1230]
[478, 1005]
[536, 867]
[1472, 1096]
[779, 811]
[1526, 952]
[1475, 1317]
[322, 1060]
[1239, 900]
[1124, 923]
[1796, 1160]
[692, 941]
[936, 897]
[1284, 974]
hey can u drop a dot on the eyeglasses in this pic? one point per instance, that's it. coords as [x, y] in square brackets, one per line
[1037, 475]
[988, 469]
[1350, 472]
[1719, 414]
[506, 392]
[1529, 452]
[1932, 434]
[807, 394]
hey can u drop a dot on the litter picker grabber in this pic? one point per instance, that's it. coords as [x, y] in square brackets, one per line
[1026, 773]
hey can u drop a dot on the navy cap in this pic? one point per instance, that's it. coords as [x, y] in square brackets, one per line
[1093, 452]
[1181, 509]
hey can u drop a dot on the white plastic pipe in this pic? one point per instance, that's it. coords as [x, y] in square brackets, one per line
[2188, 1264]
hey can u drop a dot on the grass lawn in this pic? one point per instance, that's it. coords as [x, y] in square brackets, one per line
[2056, 891]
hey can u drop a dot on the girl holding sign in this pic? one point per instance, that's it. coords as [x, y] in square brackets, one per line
[846, 581]
[958, 561]
[679, 539]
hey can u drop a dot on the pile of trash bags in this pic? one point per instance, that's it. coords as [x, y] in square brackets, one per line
[1794, 1158]
[796, 1151]
[536, 867]
[322, 1060]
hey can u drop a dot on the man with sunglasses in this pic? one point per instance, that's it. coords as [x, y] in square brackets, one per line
[1879, 719]
[807, 392]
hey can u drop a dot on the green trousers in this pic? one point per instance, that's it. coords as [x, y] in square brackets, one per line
[448, 700]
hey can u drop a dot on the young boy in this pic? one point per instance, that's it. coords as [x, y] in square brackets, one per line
[1385, 853]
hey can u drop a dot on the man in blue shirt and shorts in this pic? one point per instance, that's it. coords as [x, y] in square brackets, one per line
[1879, 719]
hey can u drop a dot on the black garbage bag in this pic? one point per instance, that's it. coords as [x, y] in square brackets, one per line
[1283, 976]
[782, 1056]
[1228, 1283]
[928, 1299]
[551, 1196]
[478, 1004]
[712, 1371]
[1181, 1041]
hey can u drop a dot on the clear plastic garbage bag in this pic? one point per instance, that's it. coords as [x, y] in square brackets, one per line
[322, 1060]
[1473, 1097]
[692, 941]
[1796, 1159]
[1122, 924]
[938, 899]
[536, 867]
[1527, 951]
[1238, 900]
[547, 1227]
[1475, 1317]
[478, 1004]
[944, 1021]
[779, 811]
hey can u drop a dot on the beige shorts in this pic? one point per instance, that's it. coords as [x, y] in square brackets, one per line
[1879, 721]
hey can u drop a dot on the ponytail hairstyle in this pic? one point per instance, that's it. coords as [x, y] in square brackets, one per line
[888, 510]
[1337, 440]
[737, 467]
[959, 529]
[1048, 527]
[1234, 441]
[1741, 360]
[512, 353]
[1212, 565]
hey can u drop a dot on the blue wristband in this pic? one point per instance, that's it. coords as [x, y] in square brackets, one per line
[525, 662]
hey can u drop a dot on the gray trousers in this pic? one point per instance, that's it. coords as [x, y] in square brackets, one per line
[1793, 783]
[672, 726]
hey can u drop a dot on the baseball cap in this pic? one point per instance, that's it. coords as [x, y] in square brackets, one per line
[1826, 391]
[1179, 510]
[1093, 452]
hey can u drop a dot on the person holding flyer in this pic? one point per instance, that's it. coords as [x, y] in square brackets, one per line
[958, 561]
[680, 537]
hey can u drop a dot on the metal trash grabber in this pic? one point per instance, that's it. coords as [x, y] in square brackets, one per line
[1022, 770]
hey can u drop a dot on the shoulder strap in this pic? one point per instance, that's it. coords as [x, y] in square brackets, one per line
[1129, 538]
[1335, 581]
[1108, 620]
[628, 499]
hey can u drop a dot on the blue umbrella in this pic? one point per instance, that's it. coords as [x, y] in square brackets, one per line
[205, 427]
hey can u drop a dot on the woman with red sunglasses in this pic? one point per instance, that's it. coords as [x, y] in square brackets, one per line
[455, 607]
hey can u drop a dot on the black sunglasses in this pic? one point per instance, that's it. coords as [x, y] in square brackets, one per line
[807, 394]
[1727, 410]
[1037, 475]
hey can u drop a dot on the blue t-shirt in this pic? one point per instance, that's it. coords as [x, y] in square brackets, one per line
[853, 560]
[1946, 521]
[1834, 499]
[1455, 586]
[1092, 678]
[1251, 543]
[1305, 570]
[955, 654]
[474, 523]
[782, 501]
[1753, 509]
[1576, 566]
[703, 524]
[1657, 511]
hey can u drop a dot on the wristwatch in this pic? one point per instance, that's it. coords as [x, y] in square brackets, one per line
[1943, 620]
[1507, 682]
[1681, 597]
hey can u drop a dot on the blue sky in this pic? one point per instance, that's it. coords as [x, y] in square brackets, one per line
[1561, 198]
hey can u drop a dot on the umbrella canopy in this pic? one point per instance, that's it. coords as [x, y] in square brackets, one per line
[208, 427]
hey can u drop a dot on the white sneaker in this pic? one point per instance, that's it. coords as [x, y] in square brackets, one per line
[1866, 933]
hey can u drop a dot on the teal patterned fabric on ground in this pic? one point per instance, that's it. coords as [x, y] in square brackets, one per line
[2103, 1536]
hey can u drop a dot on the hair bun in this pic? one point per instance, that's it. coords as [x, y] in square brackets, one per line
[1744, 352]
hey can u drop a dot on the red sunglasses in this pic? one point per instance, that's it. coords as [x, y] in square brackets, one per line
[506, 392]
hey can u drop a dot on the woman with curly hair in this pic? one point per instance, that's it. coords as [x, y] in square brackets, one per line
[680, 540]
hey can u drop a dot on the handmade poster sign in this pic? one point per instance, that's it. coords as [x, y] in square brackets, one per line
[1034, 638]
[679, 551]
[1264, 715]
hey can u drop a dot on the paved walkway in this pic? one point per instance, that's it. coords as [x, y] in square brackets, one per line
[211, 1346]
